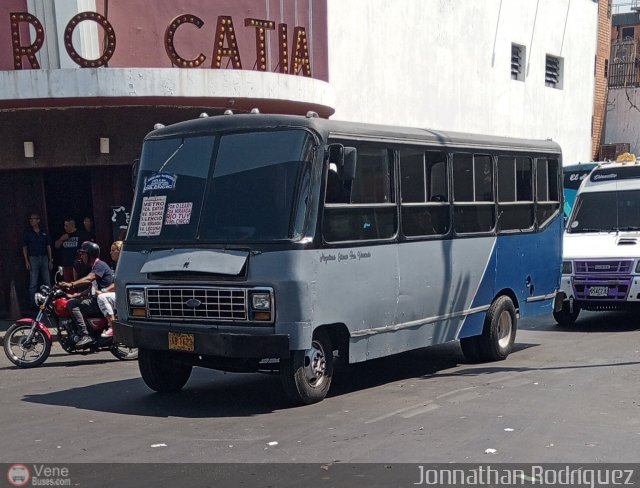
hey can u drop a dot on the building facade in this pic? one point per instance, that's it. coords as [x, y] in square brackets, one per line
[83, 81]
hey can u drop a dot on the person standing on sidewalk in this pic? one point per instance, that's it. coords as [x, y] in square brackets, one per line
[36, 249]
[68, 243]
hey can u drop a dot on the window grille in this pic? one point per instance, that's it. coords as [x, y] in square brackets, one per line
[553, 72]
[516, 62]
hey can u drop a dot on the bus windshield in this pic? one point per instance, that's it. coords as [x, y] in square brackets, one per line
[253, 188]
[622, 212]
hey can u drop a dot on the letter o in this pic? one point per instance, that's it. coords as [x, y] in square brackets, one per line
[110, 40]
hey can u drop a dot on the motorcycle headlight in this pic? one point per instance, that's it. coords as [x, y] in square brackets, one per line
[39, 298]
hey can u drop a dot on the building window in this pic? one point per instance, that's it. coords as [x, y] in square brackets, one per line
[628, 33]
[553, 72]
[517, 62]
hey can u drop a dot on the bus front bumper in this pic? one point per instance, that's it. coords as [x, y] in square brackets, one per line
[205, 342]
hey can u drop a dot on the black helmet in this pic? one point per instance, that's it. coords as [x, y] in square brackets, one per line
[91, 248]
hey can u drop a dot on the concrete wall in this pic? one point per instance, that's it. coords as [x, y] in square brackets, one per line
[446, 64]
[623, 117]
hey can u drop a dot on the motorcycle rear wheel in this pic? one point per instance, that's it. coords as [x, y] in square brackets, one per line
[26, 356]
[123, 352]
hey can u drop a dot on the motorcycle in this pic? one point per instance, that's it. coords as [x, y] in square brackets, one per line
[27, 343]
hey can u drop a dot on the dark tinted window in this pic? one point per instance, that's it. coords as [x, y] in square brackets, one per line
[515, 193]
[362, 209]
[473, 193]
[424, 192]
[547, 189]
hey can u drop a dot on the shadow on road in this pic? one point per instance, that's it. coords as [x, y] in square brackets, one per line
[214, 394]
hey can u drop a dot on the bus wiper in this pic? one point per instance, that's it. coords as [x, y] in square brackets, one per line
[587, 229]
[628, 228]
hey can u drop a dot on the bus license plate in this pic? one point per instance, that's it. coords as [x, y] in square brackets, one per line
[598, 291]
[180, 342]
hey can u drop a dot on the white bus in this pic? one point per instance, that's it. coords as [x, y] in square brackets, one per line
[264, 242]
[601, 265]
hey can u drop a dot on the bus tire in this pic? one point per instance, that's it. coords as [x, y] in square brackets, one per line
[160, 372]
[498, 334]
[566, 316]
[306, 375]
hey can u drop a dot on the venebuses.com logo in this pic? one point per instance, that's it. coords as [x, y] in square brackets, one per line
[18, 475]
[38, 475]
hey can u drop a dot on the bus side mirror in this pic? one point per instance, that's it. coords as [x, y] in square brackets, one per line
[350, 156]
[134, 172]
[345, 160]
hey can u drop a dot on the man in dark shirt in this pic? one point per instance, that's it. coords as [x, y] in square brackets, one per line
[69, 243]
[100, 277]
[36, 249]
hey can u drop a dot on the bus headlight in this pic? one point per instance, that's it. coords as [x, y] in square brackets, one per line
[261, 301]
[136, 298]
[567, 267]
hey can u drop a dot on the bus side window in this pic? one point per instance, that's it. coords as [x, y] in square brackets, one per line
[474, 210]
[424, 189]
[366, 209]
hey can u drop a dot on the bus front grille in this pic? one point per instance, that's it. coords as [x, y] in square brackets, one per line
[606, 267]
[224, 304]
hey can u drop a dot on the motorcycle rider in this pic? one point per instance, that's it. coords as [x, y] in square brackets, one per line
[100, 277]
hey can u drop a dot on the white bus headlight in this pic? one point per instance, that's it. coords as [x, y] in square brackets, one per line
[136, 298]
[567, 267]
[261, 301]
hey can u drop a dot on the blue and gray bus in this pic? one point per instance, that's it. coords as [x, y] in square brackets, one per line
[286, 243]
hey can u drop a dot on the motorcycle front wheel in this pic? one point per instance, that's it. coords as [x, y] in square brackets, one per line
[123, 352]
[26, 354]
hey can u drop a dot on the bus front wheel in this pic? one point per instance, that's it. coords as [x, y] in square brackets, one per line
[498, 334]
[306, 375]
[568, 315]
[160, 372]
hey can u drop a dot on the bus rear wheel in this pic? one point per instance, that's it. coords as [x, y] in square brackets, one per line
[306, 375]
[498, 334]
[160, 372]
[567, 316]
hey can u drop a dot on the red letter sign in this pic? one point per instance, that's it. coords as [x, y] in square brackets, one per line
[261, 49]
[300, 52]
[28, 51]
[175, 58]
[110, 40]
[283, 53]
[225, 30]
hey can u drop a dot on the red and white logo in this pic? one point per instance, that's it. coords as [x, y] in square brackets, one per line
[18, 475]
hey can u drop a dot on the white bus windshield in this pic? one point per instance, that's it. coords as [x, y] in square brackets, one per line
[253, 189]
[606, 211]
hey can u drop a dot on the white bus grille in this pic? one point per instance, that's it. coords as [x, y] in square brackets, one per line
[197, 303]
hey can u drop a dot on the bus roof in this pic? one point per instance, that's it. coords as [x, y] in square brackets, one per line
[613, 176]
[354, 130]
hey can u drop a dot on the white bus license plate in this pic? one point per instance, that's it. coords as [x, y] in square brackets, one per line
[598, 291]
[181, 342]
